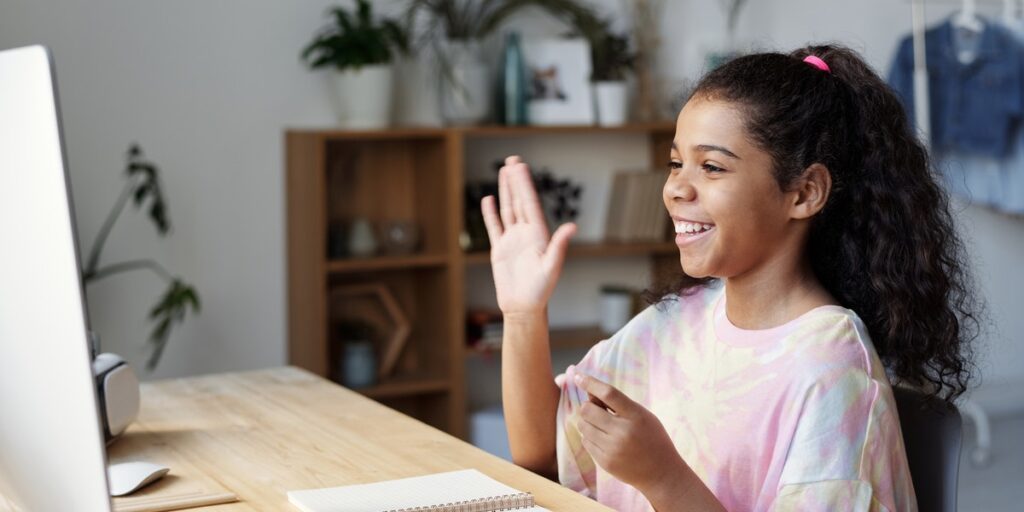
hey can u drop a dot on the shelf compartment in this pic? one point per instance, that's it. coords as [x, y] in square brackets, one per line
[596, 250]
[383, 180]
[341, 266]
[421, 295]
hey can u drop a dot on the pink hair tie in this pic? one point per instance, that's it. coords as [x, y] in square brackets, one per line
[817, 62]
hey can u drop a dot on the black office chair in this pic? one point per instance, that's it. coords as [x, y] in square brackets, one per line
[932, 434]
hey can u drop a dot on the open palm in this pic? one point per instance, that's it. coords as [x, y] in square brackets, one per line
[525, 262]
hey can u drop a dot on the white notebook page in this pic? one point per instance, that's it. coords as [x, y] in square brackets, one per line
[420, 491]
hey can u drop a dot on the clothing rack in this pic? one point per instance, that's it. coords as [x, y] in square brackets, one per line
[981, 455]
[921, 114]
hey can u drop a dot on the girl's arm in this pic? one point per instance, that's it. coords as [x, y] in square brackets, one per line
[529, 394]
[525, 263]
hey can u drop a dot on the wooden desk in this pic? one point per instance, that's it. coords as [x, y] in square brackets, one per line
[260, 434]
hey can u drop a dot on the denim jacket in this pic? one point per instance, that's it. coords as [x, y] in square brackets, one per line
[974, 107]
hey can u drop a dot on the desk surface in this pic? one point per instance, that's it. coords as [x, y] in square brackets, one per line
[260, 434]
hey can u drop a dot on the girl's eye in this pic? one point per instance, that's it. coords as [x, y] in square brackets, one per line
[672, 165]
[712, 168]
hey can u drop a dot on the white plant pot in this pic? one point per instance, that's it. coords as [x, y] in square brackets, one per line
[362, 98]
[416, 80]
[612, 103]
[465, 94]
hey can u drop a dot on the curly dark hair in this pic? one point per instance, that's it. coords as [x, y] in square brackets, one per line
[884, 245]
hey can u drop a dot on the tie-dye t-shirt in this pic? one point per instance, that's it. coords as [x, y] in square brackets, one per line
[797, 417]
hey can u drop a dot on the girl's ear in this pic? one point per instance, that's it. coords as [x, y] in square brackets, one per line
[811, 191]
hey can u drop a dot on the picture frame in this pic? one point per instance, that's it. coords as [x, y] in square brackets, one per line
[558, 82]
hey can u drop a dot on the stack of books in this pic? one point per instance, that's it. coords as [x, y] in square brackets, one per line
[636, 212]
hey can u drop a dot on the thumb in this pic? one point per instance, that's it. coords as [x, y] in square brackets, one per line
[554, 256]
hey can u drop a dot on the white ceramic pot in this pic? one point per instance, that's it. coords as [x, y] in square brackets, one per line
[615, 311]
[415, 82]
[612, 103]
[465, 92]
[362, 96]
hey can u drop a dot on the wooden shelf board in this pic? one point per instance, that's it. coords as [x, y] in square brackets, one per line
[595, 250]
[405, 387]
[584, 336]
[334, 133]
[385, 262]
[505, 131]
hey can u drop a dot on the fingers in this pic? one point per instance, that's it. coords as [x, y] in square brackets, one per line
[596, 417]
[594, 424]
[593, 448]
[491, 219]
[555, 255]
[512, 160]
[508, 216]
[615, 399]
[525, 201]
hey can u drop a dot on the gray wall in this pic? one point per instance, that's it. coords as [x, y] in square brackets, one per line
[208, 88]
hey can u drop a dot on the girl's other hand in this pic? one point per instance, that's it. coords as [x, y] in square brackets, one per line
[525, 262]
[627, 440]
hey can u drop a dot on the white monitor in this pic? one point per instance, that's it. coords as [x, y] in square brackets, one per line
[51, 447]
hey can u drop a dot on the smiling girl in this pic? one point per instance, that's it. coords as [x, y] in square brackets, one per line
[819, 262]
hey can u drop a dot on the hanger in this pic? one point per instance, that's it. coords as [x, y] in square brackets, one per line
[1012, 12]
[968, 18]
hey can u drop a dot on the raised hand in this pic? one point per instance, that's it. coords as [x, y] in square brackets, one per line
[525, 262]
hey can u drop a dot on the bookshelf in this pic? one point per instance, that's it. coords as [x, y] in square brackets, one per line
[415, 174]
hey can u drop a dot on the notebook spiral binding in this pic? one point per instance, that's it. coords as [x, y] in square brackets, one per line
[492, 504]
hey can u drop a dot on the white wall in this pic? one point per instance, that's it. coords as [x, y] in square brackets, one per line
[209, 87]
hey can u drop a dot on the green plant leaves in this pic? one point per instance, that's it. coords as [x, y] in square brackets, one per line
[354, 41]
[145, 174]
[168, 311]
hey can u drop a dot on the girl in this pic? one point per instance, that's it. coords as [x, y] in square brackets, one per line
[815, 247]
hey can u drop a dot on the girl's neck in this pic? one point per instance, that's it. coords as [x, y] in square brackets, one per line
[774, 293]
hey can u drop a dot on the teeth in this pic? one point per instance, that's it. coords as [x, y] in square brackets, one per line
[692, 227]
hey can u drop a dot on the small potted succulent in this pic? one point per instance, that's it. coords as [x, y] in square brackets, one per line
[359, 50]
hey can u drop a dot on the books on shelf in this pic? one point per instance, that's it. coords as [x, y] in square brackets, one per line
[636, 212]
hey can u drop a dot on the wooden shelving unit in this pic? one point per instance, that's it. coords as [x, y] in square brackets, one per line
[409, 174]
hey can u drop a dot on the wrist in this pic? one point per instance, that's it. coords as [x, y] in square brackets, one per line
[670, 486]
[525, 317]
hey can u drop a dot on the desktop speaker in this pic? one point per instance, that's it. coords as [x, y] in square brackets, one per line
[117, 389]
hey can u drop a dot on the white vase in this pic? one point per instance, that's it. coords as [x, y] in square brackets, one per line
[362, 97]
[414, 80]
[612, 103]
[616, 307]
[465, 91]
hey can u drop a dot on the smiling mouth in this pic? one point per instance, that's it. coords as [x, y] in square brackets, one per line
[692, 228]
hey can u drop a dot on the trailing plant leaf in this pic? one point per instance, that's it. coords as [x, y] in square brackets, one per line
[147, 186]
[170, 310]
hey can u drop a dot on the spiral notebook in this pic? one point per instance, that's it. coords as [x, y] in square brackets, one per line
[467, 490]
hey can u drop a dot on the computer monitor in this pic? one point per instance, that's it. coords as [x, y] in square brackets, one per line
[51, 447]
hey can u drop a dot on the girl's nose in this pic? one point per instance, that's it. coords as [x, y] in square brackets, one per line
[678, 188]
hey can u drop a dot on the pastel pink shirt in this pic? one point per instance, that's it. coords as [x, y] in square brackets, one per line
[798, 417]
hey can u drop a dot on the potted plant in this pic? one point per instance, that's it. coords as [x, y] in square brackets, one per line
[360, 50]
[142, 186]
[455, 29]
[611, 58]
[612, 61]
